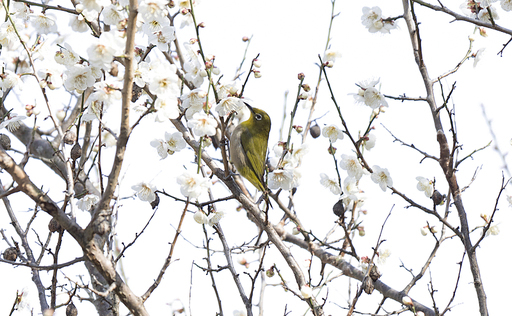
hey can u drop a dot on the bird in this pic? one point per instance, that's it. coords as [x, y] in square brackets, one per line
[248, 147]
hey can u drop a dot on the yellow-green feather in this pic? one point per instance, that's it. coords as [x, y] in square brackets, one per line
[248, 148]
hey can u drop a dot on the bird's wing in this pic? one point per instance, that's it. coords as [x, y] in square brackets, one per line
[256, 153]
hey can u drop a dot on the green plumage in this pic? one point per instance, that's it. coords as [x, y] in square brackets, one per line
[248, 147]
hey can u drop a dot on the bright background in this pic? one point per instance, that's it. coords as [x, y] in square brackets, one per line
[289, 35]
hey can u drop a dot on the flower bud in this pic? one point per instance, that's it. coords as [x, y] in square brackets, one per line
[301, 76]
[256, 63]
[216, 71]
[329, 64]
[315, 131]
[270, 272]
[299, 129]
[257, 73]
[185, 11]
[361, 231]
[61, 115]
[43, 84]
[296, 230]
[407, 301]
[483, 32]
[201, 25]
[208, 64]
[306, 87]
[306, 291]
[203, 73]
[331, 150]
[245, 39]
[303, 96]
[423, 231]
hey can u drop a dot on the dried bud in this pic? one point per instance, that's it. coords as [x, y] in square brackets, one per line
[155, 202]
[375, 273]
[54, 226]
[71, 310]
[301, 76]
[114, 71]
[136, 92]
[338, 208]
[331, 150]
[5, 141]
[76, 151]
[10, 254]
[368, 285]
[438, 198]
[315, 131]
[69, 137]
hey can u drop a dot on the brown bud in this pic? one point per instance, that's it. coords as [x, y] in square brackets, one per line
[5, 141]
[331, 150]
[76, 151]
[368, 285]
[301, 76]
[54, 226]
[155, 202]
[114, 71]
[69, 137]
[438, 198]
[338, 208]
[245, 39]
[71, 310]
[375, 273]
[10, 254]
[315, 131]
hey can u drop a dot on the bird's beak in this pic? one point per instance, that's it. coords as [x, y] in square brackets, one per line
[250, 107]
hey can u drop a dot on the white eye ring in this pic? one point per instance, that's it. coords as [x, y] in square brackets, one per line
[258, 117]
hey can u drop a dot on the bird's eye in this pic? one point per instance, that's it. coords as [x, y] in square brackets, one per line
[258, 117]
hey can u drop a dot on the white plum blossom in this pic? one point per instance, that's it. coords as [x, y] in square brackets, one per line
[22, 10]
[484, 15]
[78, 23]
[331, 55]
[8, 80]
[352, 165]
[66, 56]
[145, 191]
[332, 132]
[506, 5]
[163, 81]
[12, 122]
[193, 66]
[228, 89]
[306, 291]
[51, 76]
[162, 38]
[103, 49]
[281, 178]
[373, 20]
[192, 185]
[330, 184]
[172, 143]
[194, 98]
[299, 152]
[425, 185]
[151, 9]
[141, 74]
[200, 217]
[370, 142]
[8, 35]
[374, 99]
[156, 24]
[228, 105]
[112, 14]
[215, 217]
[44, 24]
[478, 56]
[91, 8]
[78, 77]
[492, 231]
[350, 189]
[381, 177]
[166, 109]
[104, 92]
[86, 202]
[203, 124]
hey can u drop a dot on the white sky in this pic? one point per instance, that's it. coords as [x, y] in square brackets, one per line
[289, 35]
